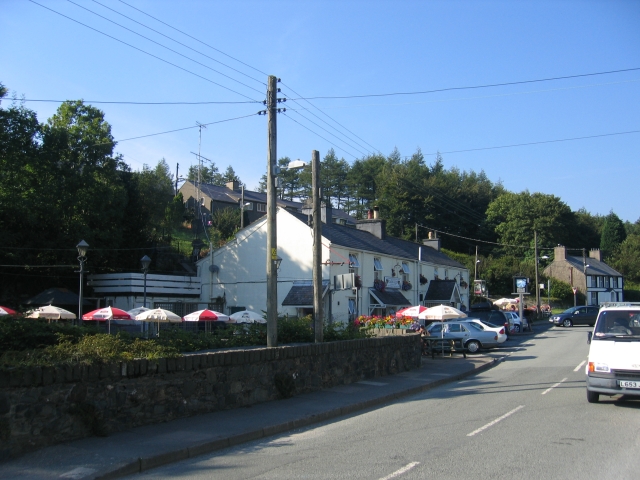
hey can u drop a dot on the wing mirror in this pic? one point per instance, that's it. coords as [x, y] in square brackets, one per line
[589, 338]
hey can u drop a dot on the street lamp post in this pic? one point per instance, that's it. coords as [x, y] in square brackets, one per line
[82, 258]
[146, 261]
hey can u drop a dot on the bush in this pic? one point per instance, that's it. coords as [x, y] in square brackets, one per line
[25, 334]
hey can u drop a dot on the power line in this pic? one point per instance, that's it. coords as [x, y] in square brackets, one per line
[163, 46]
[140, 50]
[537, 143]
[332, 119]
[141, 103]
[340, 139]
[470, 87]
[173, 131]
[179, 43]
[193, 38]
[329, 141]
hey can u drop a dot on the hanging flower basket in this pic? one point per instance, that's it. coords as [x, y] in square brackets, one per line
[406, 285]
[423, 280]
[379, 285]
[463, 284]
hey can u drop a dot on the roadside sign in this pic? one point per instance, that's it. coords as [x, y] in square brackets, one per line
[575, 290]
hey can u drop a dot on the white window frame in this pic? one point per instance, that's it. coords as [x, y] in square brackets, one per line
[405, 268]
[377, 265]
[353, 261]
[261, 207]
[352, 306]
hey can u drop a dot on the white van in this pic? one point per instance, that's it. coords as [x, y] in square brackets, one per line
[613, 367]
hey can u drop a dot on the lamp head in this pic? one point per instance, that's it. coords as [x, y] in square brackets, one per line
[146, 261]
[278, 261]
[82, 248]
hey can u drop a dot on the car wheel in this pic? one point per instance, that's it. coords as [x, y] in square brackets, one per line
[516, 328]
[566, 323]
[473, 346]
[592, 397]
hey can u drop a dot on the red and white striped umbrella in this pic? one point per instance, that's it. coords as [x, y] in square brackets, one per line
[107, 313]
[206, 316]
[7, 311]
[410, 311]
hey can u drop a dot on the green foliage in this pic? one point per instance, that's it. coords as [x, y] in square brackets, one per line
[25, 334]
[156, 198]
[515, 216]
[295, 329]
[562, 291]
[613, 234]
[626, 258]
[226, 222]
[89, 349]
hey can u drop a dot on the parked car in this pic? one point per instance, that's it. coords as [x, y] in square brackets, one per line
[474, 337]
[495, 317]
[518, 325]
[585, 315]
[499, 329]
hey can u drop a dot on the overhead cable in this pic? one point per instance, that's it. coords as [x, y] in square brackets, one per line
[179, 43]
[143, 51]
[470, 87]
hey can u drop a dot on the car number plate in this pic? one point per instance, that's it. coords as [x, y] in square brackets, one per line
[629, 384]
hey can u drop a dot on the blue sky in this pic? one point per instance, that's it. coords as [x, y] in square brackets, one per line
[351, 48]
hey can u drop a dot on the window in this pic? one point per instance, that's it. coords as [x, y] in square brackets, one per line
[614, 282]
[606, 282]
[261, 207]
[594, 298]
[405, 268]
[377, 265]
[435, 274]
[352, 306]
[599, 281]
[248, 206]
[353, 261]
[446, 274]
[455, 328]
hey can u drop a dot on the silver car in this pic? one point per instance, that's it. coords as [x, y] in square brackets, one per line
[473, 336]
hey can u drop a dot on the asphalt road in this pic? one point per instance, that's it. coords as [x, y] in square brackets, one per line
[526, 418]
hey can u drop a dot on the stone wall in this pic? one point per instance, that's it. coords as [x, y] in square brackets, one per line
[43, 406]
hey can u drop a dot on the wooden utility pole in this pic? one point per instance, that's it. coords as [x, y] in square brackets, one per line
[272, 235]
[317, 247]
[535, 243]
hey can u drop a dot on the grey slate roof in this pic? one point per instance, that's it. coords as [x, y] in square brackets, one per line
[440, 290]
[232, 197]
[350, 237]
[301, 293]
[390, 297]
[595, 267]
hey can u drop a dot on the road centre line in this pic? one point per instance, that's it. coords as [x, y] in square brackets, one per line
[495, 421]
[579, 366]
[404, 469]
[553, 386]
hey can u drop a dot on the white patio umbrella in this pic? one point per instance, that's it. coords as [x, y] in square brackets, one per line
[441, 312]
[506, 301]
[159, 315]
[246, 316]
[134, 312]
[51, 313]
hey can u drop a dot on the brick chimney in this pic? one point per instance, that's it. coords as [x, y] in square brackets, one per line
[235, 186]
[596, 254]
[326, 212]
[433, 241]
[559, 253]
[375, 226]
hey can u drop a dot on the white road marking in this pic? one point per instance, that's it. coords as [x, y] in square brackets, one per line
[401, 471]
[495, 421]
[375, 384]
[579, 366]
[553, 386]
[78, 472]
